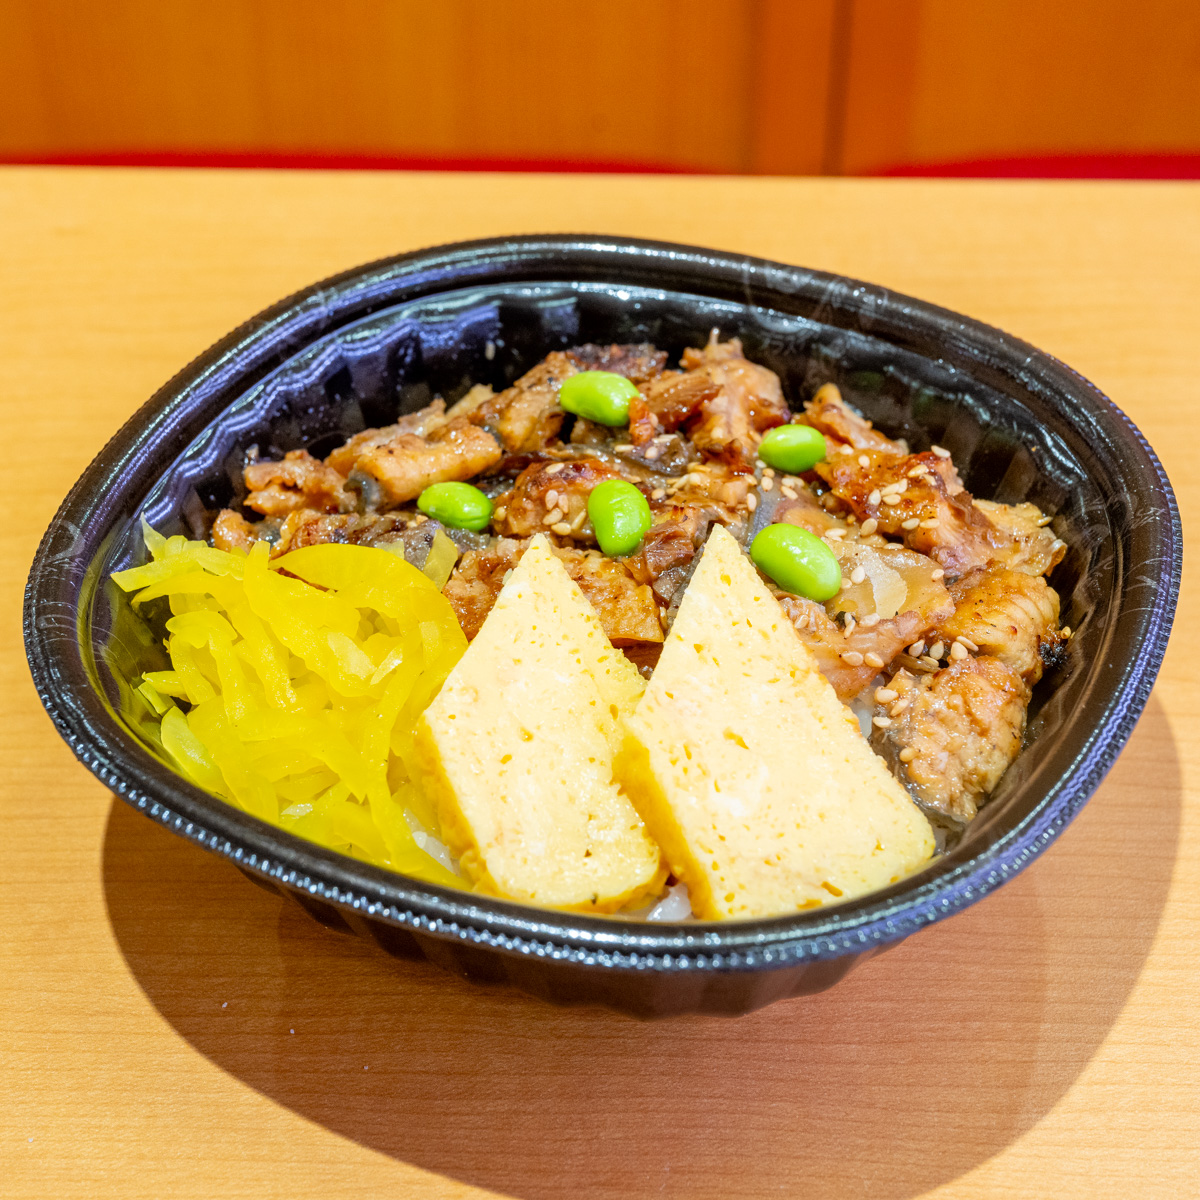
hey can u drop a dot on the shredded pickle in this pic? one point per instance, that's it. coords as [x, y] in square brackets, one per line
[295, 683]
[439, 562]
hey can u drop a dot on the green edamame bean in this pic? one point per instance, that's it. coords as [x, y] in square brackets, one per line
[797, 561]
[620, 516]
[792, 448]
[600, 396]
[456, 504]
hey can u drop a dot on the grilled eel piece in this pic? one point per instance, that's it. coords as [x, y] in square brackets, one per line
[950, 735]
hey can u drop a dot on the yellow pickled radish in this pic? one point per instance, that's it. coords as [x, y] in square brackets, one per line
[294, 686]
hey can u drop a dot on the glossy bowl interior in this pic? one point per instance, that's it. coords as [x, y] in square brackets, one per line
[360, 349]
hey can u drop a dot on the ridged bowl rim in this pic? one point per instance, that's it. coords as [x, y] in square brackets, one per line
[176, 413]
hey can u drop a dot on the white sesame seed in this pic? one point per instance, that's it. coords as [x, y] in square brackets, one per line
[623, 447]
[936, 574]
[1066, 631]
[874, 497]
[967, 643]
[917, 649]
[890, 489]
[580, 518]
[835, 534]
[881, 722]
[500, 513]
[869, 620]
[562, 528]
[863, 461]
[845, 449]
[790, 493]
[858, 575]
[767, 483]
[911, 523]
[768, 472]
[852, 658]
[1044, 521]
[958, 652]
[551, 498]
[869, 526]
[791, 481]
[555, 468]
[917, 471]
[658, 493]
[873, 660]
[930, 523]
[848, 628]
[931, 662]
[553, 516]
[891, 499]
[652, 453]
[751, 501]
[940, 451]
[885, 695]
[899, 707]
[907, 754]
[937, 650]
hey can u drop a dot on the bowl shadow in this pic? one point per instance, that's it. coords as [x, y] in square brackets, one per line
[913, 1070]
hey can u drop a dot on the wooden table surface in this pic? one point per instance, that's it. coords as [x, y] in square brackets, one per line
[168, 1030]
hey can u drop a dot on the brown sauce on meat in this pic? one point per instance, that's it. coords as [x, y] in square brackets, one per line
[944, 622]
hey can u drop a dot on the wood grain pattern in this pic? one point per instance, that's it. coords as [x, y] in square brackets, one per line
[1055, 78]
[794, 86]
[883, 40]
[655, 81]
[1043, 1043]
[938, 80]
[765, 86]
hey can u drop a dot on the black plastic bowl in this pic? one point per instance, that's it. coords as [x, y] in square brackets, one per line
[361, 347]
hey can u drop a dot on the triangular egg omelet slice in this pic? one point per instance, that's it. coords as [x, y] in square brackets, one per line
[517, 751]
[750, 773]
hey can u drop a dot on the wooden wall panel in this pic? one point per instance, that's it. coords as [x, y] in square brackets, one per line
[881, 44]
[793, 77]
[676, 82]
[769, 86]
[937, 80]
[1046, 78]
